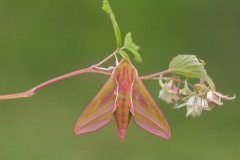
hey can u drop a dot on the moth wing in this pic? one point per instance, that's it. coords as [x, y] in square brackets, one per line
[98, 113]
[148, 116]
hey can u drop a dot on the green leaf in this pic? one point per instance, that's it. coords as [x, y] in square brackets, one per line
[187, 65]
[124, 54]
[132, 47]
[191, 67]
[107, 8]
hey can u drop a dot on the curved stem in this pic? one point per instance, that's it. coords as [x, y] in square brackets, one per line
[174, 79]
[68, 75]
[16, 95]
[108, 57]
[154, 75]
[93, 69]
[30, 92]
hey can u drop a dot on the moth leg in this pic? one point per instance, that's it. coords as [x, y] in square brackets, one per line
[105, 69]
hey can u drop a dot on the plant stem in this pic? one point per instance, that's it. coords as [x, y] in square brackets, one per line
[30, 92]
[108, 57]
[68, 75]
[92, 69]
[154, 75]
[174, 79]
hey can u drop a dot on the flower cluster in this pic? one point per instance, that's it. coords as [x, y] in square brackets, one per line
[201, 98]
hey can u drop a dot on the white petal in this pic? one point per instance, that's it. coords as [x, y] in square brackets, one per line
[166, 96]
[197, 111]
[191, 101]
[189, 111]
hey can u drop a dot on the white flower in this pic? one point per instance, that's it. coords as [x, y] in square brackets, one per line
[201, 98]
[166, 95]
[168, 92]
[195, 106]
[215, 98]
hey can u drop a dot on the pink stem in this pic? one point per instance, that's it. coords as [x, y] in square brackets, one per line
[154, 75]
[93, 69]
[16, 95]
[30, 92]
[68, 75]
[108, 57]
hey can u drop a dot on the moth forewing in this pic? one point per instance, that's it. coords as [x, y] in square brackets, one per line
[98, 113]
[148, 116]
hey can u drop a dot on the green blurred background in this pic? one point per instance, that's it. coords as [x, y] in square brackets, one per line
[42, 39]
